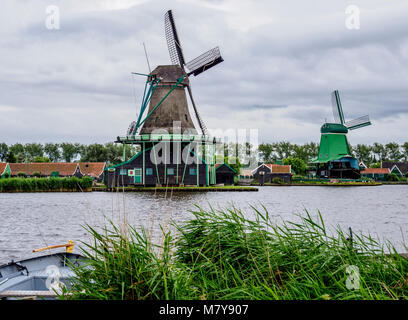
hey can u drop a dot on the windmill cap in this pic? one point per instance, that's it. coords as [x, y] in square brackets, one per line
[333, 128]
[170, 74]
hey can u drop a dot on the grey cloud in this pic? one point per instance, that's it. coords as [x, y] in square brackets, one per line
[281, 70]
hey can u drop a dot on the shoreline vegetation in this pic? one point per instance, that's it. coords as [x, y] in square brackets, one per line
[176, 189]
[85, 184]
[71, 184]
[221, 254]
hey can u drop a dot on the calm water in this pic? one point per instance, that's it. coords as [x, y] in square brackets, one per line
[34, 220]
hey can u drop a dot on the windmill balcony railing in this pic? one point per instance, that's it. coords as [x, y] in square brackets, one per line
[167, 137]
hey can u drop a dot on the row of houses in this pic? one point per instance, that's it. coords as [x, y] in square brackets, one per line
[400, 169]
[54, 169]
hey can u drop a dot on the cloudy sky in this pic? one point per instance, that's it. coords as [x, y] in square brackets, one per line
[282, 61]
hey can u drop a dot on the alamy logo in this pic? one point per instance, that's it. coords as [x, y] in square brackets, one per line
[53, 282]
[353, 17]
[353, 278]
[52, 20]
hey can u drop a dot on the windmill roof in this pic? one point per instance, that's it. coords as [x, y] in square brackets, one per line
[94, 169]
[376, 171]
[218, 165]
[402, 166]
[170, 74]
[275, 168]
[3, 166]
[44, 168]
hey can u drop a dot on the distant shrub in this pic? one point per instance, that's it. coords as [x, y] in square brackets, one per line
[278, 181]
[36, 174]
[21, 174]
[392, 177]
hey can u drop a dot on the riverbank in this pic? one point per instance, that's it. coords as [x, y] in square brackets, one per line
[325, 184]
[221, 255]
[321, 184]
[178, 189]
[71, 184]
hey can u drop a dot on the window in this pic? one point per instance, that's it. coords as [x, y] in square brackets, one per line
[149, 171]
[138, 171]
[170, 171]
[192, 171]
[123, 172]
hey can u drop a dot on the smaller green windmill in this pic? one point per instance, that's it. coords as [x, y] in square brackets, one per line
[335, 159]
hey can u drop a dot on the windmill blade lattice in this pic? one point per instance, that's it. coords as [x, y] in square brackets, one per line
[205, 61]
[173, 42]
[337, 108]
[358, 123]
[201, 123]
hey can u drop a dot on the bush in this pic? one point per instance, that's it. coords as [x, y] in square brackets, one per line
[36, 174]
[278, 181]
[45, 184]
[392, 177]
[21, 174]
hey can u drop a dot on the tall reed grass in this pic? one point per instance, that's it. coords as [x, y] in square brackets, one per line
[222, 254]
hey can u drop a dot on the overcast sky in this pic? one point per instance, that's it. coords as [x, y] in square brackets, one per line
[282, 61]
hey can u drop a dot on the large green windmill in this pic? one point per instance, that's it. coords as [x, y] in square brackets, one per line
[335, 159]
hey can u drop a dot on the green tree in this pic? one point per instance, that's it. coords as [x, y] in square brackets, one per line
[405, 151]
[265, 152]
[70, 150]
[298, 165]
[11, 158]
[53, 152]
[95, 153]
[312, 149]
[301, 152]
[393, 151]
[283, 149]
[234, 163]
[41, 159]
[18, 151]
[363, 153]
[4, 150]
[375, 165]
[379, 151]
[33, 150]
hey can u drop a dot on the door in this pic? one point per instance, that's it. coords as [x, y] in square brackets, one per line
[138, 175]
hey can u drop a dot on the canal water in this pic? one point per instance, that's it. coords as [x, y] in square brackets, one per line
[33, 220]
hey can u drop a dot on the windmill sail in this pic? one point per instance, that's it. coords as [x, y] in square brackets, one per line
[199, 119]
[173, 42]
[337, 109]
[358, 123]
[205, 61]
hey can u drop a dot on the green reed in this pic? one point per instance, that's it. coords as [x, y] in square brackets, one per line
[222, 254]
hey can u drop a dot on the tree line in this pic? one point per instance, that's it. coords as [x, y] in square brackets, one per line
[369, 154]
[267, 152]
[64, 152]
